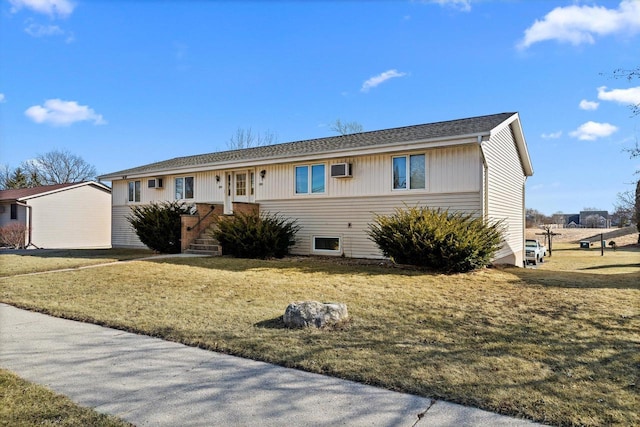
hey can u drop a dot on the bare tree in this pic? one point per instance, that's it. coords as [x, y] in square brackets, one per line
[245, 138]
[346, 128]
[59, 167]
[621, 73]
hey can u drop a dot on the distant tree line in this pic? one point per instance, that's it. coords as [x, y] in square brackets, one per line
[54, 167]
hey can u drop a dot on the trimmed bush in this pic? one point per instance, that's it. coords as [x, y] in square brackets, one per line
[436, 239]
[13, 235]
[158, 225]
[253, 235]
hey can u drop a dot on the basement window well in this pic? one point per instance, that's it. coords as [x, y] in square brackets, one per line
[327, 245]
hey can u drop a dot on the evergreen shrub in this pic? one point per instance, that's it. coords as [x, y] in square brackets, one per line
[254, 235]
[158, 225]
[436, 239]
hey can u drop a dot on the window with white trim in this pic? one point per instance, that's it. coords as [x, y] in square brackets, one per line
[327, 244]
[14, 211]
[134, 191]
[310, 179]
[184, 187]
[409, 172]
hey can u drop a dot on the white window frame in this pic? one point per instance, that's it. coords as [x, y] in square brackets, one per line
[310, 191]
[326, 251]
[131, 196]
[407, 184]
[184, 188]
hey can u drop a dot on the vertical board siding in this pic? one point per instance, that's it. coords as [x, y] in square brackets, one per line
[75, 218]
[122, 234]
[506, 191]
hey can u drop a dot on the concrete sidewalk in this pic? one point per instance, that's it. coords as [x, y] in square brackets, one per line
[151, 382]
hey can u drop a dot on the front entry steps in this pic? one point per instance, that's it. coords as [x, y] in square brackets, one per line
[205, 246]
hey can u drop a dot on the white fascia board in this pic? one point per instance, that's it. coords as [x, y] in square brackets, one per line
[350, 152]
[521, 144]
[100, 185]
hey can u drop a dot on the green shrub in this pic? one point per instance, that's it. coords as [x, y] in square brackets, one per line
[436, 239]
[158, 225]
[256, 236]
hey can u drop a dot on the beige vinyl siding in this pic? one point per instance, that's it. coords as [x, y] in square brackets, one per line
[78, 217]
[453, 181]
[505, 194]
[450, 169]
[5, 214]
[349, 217]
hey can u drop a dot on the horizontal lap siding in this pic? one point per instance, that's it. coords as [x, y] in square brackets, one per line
[330, 217]
[506, 191]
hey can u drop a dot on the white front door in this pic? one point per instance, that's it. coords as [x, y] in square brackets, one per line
[240, 187]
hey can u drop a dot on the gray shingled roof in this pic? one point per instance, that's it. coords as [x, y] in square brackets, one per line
[452, 128]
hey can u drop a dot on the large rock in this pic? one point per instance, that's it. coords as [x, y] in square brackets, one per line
[302, 314]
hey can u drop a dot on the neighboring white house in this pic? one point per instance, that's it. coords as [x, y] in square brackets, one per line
[334, 186]
[60, 216]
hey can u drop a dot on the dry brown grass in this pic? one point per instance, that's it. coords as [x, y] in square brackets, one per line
[557, 346]
[25, 404]
[16, 262]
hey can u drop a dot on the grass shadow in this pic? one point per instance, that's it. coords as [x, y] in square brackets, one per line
[275, 323]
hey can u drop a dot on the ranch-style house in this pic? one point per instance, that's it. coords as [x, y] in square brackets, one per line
[334, 186]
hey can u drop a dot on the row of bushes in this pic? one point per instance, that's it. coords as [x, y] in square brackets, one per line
[434, 239]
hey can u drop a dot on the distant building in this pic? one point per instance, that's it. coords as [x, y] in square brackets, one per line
[595, 219]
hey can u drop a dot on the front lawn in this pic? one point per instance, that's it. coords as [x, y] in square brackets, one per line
[15, 262]
[557, 346]
[25, 404]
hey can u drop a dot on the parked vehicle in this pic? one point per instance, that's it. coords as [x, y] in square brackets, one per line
[534, 251]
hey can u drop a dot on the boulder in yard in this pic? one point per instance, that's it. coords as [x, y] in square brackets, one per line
[302, 314]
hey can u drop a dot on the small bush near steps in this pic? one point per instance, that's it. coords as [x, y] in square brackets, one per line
[256, 236]
[436, 239]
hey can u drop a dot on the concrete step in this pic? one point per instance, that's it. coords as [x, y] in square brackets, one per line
[203, 252]
[204, 247]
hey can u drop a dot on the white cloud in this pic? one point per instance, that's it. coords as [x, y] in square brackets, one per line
[590, 131]
[552, 135]
[37, 30]
[621, 96]
[580, 24]
[57, 112]
[52, 8]
[463, 5]
[3, 98]
[380, 78]
[588, 105]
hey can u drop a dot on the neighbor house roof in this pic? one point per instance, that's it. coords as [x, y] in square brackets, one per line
[27, 193]
[433, 131]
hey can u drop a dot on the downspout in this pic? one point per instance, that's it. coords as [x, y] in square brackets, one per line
[29, 217]
[484, 179]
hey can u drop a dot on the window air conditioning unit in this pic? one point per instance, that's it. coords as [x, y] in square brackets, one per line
[155, 183]
[341, 170]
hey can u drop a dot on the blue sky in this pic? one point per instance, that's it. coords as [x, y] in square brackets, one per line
[125, 83]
